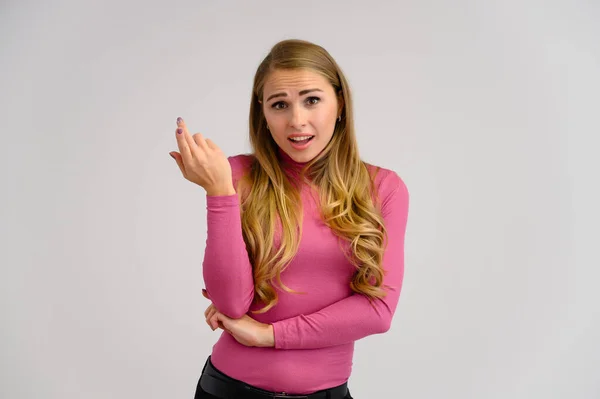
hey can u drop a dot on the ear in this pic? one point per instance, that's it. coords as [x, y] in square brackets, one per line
[340, 98]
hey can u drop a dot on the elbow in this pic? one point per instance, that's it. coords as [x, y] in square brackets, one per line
[385, 315]
[384, 319]
[233, 309]
[234, 312]
[384, 325]
[232, 301]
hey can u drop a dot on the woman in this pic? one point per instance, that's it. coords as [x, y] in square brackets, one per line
[305, 243]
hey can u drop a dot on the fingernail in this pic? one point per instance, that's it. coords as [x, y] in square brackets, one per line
[172, 156]
[179, 120]
[179, 131]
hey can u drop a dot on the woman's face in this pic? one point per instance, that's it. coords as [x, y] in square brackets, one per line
[299, 103]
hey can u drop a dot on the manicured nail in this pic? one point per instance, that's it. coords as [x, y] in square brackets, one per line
[179, 120]
[179, 131]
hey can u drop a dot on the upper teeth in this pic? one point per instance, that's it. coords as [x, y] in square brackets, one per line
[300, 138]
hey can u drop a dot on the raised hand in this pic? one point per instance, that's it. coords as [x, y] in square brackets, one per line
[202, 162]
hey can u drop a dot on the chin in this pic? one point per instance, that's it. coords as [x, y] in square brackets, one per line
[305, 156]
[300, 158]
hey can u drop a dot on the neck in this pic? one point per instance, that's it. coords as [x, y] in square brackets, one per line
[287, 161]
[292, 167]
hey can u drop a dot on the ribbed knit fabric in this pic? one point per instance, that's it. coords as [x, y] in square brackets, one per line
[314, 332]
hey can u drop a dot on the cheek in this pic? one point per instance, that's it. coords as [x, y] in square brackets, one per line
[273, 120]
[327, 123]
[277, 126]
[328, 116]
[278, 132]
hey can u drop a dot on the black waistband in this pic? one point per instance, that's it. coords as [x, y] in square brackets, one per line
[220, 385]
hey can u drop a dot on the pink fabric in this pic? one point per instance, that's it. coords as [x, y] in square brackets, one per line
[314, 332]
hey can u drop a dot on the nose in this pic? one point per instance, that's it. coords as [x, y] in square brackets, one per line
[298, 118]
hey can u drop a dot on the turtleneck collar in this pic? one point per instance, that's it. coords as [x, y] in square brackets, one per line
[289, 165]
[287, 162]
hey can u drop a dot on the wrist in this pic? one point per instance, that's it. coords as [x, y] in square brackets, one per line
[268, 339]
[220, 191]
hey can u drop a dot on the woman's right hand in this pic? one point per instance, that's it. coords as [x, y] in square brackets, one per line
[202, 162]
[244, 330]
[210, 312]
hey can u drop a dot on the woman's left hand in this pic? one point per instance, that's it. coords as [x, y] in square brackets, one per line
[245, 330]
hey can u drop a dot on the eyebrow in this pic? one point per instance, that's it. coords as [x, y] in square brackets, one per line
[303, 92]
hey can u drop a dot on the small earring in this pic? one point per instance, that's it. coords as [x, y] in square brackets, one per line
[268, 127]
[340, 118]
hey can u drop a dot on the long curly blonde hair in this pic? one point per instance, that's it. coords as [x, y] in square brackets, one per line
[348, 199]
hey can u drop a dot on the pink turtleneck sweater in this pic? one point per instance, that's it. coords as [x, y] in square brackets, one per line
[314, 332]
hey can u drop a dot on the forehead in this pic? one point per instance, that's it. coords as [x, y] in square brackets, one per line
[294, 80]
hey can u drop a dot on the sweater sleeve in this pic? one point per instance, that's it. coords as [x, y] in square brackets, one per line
[354, 317]
[226, 268]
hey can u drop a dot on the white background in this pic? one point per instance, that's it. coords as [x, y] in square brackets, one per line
[487, 110]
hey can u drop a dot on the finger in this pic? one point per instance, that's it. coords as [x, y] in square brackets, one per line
[207, 314]
[220, 320]
[205, 294]
[207, 310]
[200, 141]
[184, 148]
[210, 311]
[211, 323]
[192, 145]
[177, 157]
[214, 321]
[224, 321]
[222, 327]
[211, 144]
[214, 316]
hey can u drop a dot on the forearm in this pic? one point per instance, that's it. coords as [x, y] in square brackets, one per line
[346, 321]
[355, 317]
[227, 270]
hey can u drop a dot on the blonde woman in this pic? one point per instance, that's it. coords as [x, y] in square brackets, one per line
[305, 244]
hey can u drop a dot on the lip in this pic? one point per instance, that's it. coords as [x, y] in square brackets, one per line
[299, 135]
[298, 146]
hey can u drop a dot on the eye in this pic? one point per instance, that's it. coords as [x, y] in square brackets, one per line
[317, 99]
[311, 101]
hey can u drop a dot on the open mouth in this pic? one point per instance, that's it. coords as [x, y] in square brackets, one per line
[300, 142]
